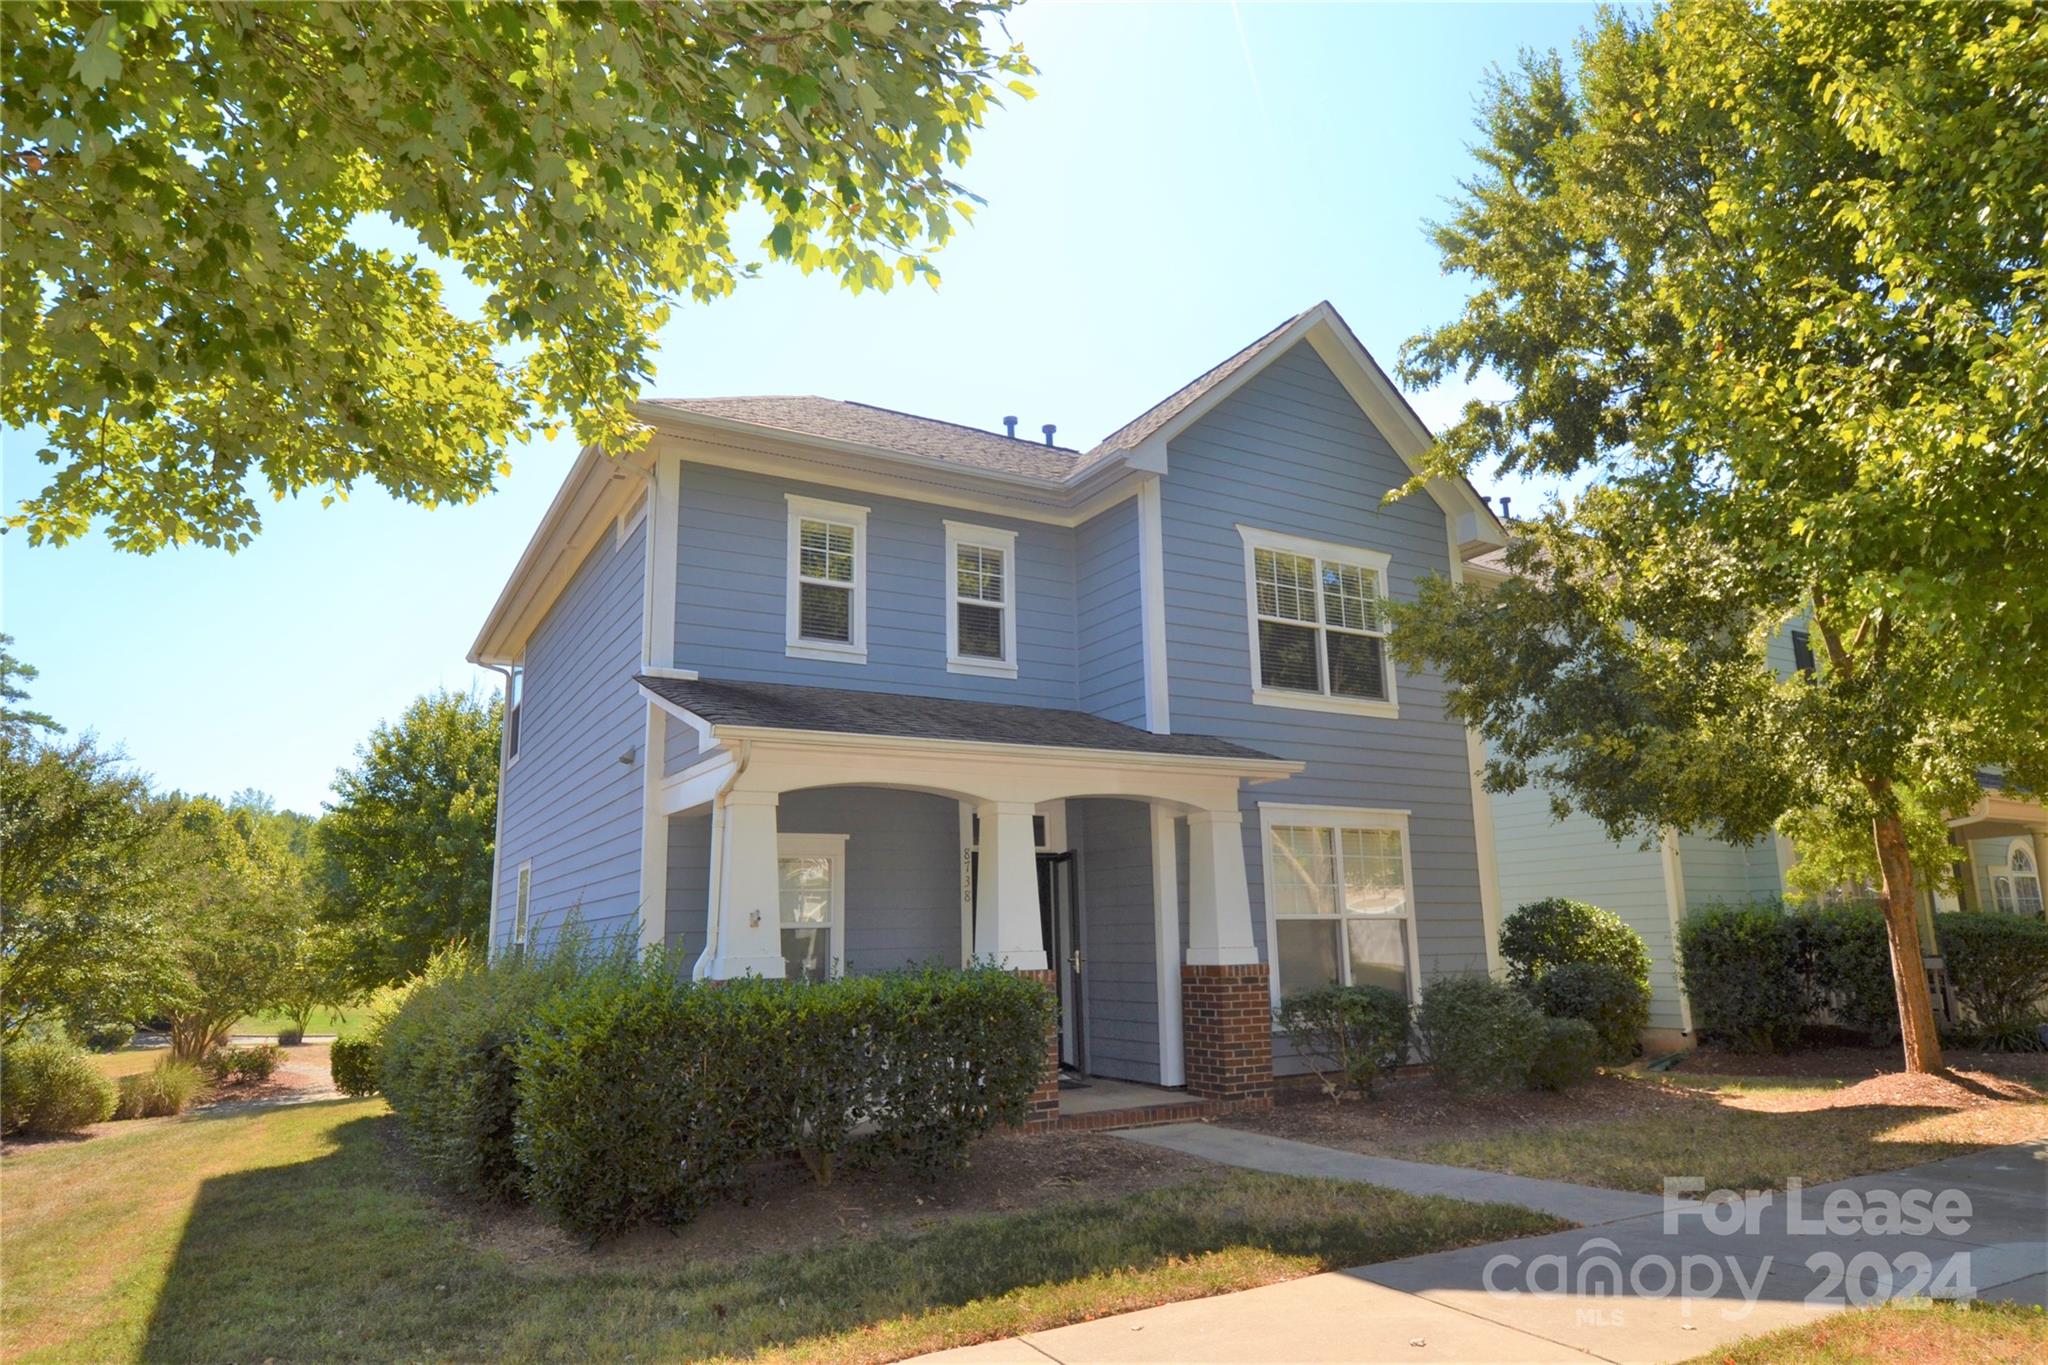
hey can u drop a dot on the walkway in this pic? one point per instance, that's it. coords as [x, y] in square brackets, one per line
[1648, 1286]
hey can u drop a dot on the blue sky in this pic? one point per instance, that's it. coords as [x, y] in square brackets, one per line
[1187, 177]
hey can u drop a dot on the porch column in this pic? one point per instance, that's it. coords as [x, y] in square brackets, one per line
[1006, 923]
[1219, 904]
[746, 916]
[1226, 1005]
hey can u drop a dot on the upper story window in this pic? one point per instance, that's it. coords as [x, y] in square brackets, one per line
[981, 600]
[515, 696]
[1802, 652]
[1317, 614]
[827, 580]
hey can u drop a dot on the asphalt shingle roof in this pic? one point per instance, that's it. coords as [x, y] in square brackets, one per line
[887, 429]
[787, 706]
[1133, 433]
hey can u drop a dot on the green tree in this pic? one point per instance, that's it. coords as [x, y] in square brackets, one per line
[15, 721]
[187, 311]
[404, 852]
[233, 903]
[1771, 276]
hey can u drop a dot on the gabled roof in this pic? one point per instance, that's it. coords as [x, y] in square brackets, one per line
[886, 429]
[1133, 433]
[837, 710]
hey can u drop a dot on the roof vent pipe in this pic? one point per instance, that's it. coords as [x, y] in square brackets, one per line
[1048, 429]
[1503, 508]
[1010, 426]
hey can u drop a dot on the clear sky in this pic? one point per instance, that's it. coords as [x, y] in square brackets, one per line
[1188, 177]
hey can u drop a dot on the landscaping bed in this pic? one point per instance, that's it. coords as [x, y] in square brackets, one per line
[307, 1232]
[1631, 1130]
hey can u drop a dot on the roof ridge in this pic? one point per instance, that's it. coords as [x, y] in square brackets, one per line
[942, 422]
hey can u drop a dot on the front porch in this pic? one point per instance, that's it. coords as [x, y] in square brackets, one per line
[1106, 861]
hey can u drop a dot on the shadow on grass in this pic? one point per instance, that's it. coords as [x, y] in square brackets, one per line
[345, 1255]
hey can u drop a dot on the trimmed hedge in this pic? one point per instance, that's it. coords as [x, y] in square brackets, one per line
[1998, 967]
[1348, 1035]
[1478, 1033]
[1610, 1001]
[1846, 958]
[354, 1063]
[52, 1087]
[1740, 967]
[644, 1098]
[1568, 1055]
[1549, 933]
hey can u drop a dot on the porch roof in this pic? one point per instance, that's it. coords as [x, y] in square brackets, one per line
[836, 710]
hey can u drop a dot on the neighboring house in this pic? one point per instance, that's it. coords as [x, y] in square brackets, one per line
[806, 687]
[1652, 888]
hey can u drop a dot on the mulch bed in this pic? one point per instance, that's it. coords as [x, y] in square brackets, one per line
[303, 1075]
[1853, 1063]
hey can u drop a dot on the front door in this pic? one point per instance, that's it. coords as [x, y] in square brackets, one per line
[1059, 918]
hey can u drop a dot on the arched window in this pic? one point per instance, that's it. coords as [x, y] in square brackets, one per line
[2016, 887]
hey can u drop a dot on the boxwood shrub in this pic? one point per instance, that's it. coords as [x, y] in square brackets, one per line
[354, 1063]
[1477, 1033]
[1348, 1035]
[1550, 933]
[1567, 1055]
[643, 1098]
[51, 1087]
[1998, 967]
[1614, 1004]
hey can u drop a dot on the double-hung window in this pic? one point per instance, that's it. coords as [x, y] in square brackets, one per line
[1339, 906]
[981, 600]
[827, 606]
[1318, 624]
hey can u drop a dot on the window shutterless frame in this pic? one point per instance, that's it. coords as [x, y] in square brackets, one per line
[520, 903]
[1355, 874]
[1315, 618]
[981, 600]
[810, 877]
[827, 604]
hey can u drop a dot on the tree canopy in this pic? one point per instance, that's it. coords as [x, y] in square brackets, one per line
[1771, 277]
[404, 852]
[189, 311]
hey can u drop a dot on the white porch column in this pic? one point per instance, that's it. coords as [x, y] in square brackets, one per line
[1166, 943]
[1219, 903]
[746, 923]
[1006, 923]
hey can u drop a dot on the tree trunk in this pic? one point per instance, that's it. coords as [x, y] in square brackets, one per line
[1902, 925]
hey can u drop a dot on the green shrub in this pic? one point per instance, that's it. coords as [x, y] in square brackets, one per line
[354, 1063]
[1998, 967]
[643, 1098]
[1740, 965]
[1477, 1033]
[254, 1062]
[1568, 1055]
[1550, 933]
[1348, 1035]
[291, 1035]
[1845, 957]
[1615, 1004]
[164, 1089]
[51, 1087]
[447, 1062]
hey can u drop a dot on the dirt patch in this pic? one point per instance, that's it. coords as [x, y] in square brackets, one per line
[1413, 1111]
[1854, 1063]
[1898, 1090]
[790, 1212]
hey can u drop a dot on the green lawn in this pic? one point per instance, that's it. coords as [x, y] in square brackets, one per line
[342, 1023]
[293, 1233]
[1982, 1333]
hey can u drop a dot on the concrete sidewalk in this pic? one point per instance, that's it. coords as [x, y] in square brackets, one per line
[1647, 1287]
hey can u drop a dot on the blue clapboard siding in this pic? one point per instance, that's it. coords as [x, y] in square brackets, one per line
[1120, 980]
[1291, 452]
[569, 804]
[1109, 625]
[731, 590]
[902, 871]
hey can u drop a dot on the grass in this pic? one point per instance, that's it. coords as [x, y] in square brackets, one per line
[293, 1233]
[1732, 1146]
[341, 1023]
[129, 1061]
[1902, 1335]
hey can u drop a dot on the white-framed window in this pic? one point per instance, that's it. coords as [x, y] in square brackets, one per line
[1340, 902]
[810, 879]
[828, 580]
[515, 699]
[520, 901]
[1317, 622]
[2016, 887]
[981, 600]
